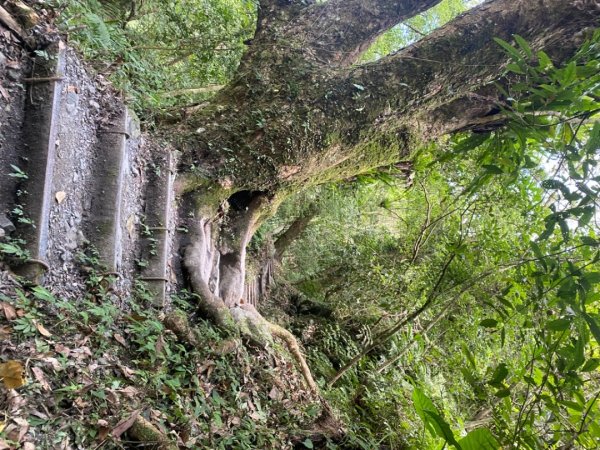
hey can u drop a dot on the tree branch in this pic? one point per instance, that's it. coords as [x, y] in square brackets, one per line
[458, 62]
[339, 31]
[445, 82]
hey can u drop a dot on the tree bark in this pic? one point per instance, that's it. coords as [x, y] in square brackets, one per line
[290, 119]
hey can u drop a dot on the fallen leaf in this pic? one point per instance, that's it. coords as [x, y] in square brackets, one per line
[126, 371]
[160, 345]
[113, 398]
[5, 333]
[120, 339]
[56, 365]
[12, 374]
[2, 425]
[23, 428]
[129, 391]
[130, 225]
[41, 378]
[103, 430]
[80, 402]
[28, 446]
[125, 425]
[62, 349]
[4, 445]
[41, 329]
[4, 93]
[8, 310]
[15, 402]
[275, 394]
[60, 196]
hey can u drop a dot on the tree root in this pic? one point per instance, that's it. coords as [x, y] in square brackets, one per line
[146, 433]
[178, 323]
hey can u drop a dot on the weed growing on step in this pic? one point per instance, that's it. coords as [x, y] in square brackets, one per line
[13, 249]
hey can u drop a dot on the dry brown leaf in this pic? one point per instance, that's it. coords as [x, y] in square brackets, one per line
[28, 446]
[160, 345]
[23, 427]
[62, 349]
[5, 332]
[126, 371]
[20, 312]
[113, 398]
[80, 402]
[103, 430]
[4, 93]
[125, 425]
[2, 425]
[4, 445]
[120, 339]
[129, 391]
[12, 374]
[275, 394]
[56, 365]
[41, 378]
[41, 329]
[8, 310]
[60, 196]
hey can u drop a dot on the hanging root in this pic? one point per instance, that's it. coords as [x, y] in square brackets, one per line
[216, 261]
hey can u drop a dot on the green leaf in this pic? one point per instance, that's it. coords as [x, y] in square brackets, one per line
[469, 356]
[500, 373]
[558, 325]
[594, 328]
[545, 62]
[592, 277]
[524, 45]
[442, 428]
[502, 393]
[422, 403]
[488, 323]
[490, 168]
[479, 439]
[308, 443]
[515, 68]
[591, 365]
[509, 49]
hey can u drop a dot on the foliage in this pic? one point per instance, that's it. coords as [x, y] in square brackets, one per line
[157, 52]
[505, 342]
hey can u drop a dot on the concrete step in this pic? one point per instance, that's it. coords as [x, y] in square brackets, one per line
[103, 227]
[31, 209]
[155, 232]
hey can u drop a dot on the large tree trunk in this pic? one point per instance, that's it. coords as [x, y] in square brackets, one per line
[300, 112]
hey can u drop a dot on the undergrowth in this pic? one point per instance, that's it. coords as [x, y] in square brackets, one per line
[93, 362]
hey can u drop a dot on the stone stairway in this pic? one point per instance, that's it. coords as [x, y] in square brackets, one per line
[81, 176]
